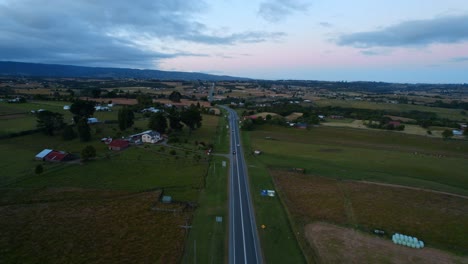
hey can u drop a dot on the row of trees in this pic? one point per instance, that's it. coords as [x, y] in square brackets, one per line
[51, 123]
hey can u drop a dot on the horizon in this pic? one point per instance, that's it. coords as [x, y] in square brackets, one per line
[253, 79]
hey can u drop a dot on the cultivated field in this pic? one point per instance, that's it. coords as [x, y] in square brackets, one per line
[89, 226]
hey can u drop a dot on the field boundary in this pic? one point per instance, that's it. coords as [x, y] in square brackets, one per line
[411, 188]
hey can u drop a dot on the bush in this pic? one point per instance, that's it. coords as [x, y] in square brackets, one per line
[88, 152]
[39, 169]
[172, 152]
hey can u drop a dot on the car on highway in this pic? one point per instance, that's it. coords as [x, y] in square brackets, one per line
[233, 152]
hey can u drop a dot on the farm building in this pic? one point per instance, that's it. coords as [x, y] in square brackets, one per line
[54, 155]
[118, 144]
[102, 108]
[301, 125]
[41, 155]
[93, 120]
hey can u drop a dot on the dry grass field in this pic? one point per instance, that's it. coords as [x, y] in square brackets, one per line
[108, 227]
[335, 244]
[440, 220]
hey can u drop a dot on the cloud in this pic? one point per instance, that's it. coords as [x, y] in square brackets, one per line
[108, 32]
[459, 59]
[449, 29]
[278, 10]
[325, 24]
[375, 52]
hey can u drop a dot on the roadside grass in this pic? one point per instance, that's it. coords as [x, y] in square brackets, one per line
[440, 220]
[222, 135]
[340, 154]
[117, 229]
[277, 240]
[453, 114]
[207, 241]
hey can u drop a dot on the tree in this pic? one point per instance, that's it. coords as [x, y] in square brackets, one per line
[465, 132]
[96, 92]
[247, 124]
[82, 109]
[49, 122]
[84, 132]
[175, 96]
[69, 133]
[174, 119]
[158, 122]
[144, 100]
[126, 118]
[191, 117]
[39, 169]
[88, 152]
[447, 134]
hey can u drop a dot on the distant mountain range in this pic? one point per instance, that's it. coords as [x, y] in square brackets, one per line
[11, 68]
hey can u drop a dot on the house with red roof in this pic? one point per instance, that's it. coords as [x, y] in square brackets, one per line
[118, 144]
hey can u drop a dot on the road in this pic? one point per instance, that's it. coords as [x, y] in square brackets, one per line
[244, 244]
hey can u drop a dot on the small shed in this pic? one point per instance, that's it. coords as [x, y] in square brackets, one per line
[66, 107]
[166, 199]
[41, 155]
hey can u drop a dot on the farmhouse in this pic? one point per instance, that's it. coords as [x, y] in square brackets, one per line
[118, 144]
[151, 137]
[148, 136]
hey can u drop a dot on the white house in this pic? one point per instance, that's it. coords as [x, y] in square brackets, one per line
[66, 107]
[151, 137]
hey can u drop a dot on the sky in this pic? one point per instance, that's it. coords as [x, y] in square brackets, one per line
[417, 41]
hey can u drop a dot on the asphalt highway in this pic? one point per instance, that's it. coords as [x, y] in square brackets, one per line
[244, 245]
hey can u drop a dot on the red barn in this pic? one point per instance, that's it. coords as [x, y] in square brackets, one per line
[58, 156]
[119, 144]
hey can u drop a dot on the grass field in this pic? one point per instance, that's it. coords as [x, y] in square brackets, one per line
[341, 154]
[277, 240]
[367, 155]
[337, 244]
[453, 114]
[440, 220]
[77, 199]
